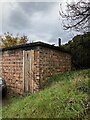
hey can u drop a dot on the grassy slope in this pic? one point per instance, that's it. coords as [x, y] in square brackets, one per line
[65, 97]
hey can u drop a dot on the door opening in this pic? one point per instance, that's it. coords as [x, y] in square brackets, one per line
[27, 71]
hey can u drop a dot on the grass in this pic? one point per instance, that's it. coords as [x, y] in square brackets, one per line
[65, 96]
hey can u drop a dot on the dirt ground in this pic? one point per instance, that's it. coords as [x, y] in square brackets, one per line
[0, 103]
[3, 101]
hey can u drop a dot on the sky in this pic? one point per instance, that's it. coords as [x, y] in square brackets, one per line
[39, 20]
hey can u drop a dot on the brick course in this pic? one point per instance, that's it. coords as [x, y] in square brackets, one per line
[52, 62]
[12, 69]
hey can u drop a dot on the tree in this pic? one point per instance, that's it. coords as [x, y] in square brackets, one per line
[79, 47]
[76, 16]
[8, 40]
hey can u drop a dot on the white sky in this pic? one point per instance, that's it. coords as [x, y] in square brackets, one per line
[39, 21]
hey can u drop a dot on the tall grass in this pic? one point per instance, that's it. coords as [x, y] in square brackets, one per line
[66, 96]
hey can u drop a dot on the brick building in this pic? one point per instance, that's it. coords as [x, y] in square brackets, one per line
[26, 68]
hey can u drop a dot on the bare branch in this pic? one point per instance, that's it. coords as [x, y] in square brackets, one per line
[76, 16]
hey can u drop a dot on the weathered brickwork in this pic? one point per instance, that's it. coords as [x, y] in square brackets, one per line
[52, 62]
[12, 69]
[0, 63]
[26, 70]
[36, 72]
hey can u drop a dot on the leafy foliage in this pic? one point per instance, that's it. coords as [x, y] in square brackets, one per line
[8, 40]
[79, 47]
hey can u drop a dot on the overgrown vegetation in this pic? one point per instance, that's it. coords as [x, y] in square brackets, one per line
[66, 96]
[79, 47]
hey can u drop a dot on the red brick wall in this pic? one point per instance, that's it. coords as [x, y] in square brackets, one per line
[12, 70]
[36, 71]
[52, 62]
